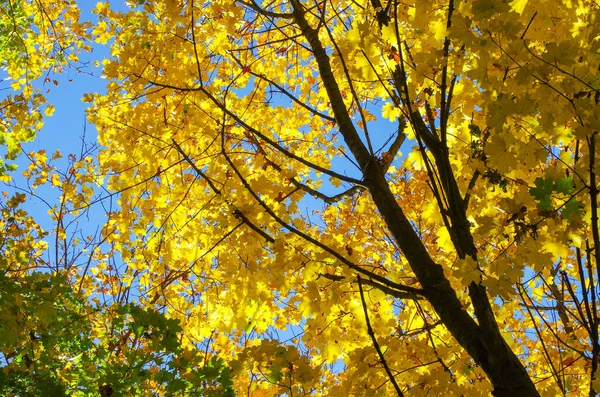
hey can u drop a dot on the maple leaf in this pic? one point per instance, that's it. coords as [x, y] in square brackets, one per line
[572, 208]
[542, 191]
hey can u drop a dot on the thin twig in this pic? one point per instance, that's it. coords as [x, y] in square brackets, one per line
[374, 339]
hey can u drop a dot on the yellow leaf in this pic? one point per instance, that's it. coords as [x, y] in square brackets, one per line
[49, 110]
[518, 5]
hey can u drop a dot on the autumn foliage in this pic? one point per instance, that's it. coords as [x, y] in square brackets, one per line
[328, 198]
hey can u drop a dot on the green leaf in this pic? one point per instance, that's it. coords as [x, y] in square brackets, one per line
[543, 187]
[564, 185]
[572, 208]
[542, 191]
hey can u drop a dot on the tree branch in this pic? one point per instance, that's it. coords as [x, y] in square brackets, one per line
[258, 133]
[346, 126]
[292, 97]
[317, 243]
[236, 212]
[254, 6]
[374, 340]
[391, 154]
[382, 288]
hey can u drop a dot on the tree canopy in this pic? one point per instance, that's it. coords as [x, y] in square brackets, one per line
[319, 198]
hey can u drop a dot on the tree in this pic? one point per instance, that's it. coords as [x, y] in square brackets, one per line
[59, 342]
[222, 120]
[255, 152]
[56, 341]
